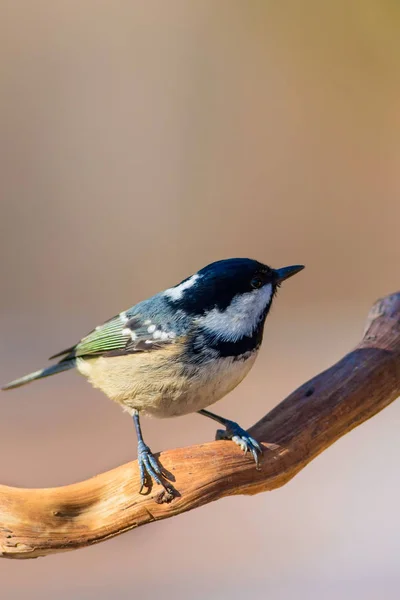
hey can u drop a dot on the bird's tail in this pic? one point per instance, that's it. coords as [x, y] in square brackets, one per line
[58, 368]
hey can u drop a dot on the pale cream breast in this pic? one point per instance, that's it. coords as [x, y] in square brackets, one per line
[159, 384]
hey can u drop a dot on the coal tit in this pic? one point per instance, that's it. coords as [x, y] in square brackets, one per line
[181, 350]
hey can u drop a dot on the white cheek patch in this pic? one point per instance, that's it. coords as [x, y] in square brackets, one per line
[177, 292]
[240, 318]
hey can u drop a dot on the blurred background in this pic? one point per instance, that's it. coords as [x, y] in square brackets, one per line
[139, 141]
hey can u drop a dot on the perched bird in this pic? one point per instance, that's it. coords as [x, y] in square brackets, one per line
[181, 350]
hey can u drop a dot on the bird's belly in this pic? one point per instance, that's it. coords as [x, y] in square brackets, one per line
[165, 388]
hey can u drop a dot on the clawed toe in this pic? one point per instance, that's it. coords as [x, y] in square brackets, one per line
[150, 469]
[238, 435]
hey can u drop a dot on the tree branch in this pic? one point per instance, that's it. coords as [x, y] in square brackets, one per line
[37, 522]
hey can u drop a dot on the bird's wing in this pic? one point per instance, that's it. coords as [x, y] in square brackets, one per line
[120, 335]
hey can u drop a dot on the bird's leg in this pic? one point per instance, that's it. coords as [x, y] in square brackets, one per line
[148, 464]
[234, 432]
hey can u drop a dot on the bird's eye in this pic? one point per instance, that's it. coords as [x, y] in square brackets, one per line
[256, 283]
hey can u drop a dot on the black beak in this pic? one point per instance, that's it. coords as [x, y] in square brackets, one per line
[286, 272]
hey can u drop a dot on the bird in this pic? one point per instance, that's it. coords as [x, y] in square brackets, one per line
[179, 351]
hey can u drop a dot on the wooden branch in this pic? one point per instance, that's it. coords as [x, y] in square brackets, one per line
[42, 521]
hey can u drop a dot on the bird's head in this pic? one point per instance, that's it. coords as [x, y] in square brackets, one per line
[232, 297]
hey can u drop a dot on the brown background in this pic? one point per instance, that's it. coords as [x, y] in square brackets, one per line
[139, 141]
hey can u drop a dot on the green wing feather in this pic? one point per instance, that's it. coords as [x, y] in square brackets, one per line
[118, 335]
[104, 338]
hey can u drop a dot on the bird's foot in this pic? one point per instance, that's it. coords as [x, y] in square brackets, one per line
[238, 435]
[150, 469]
